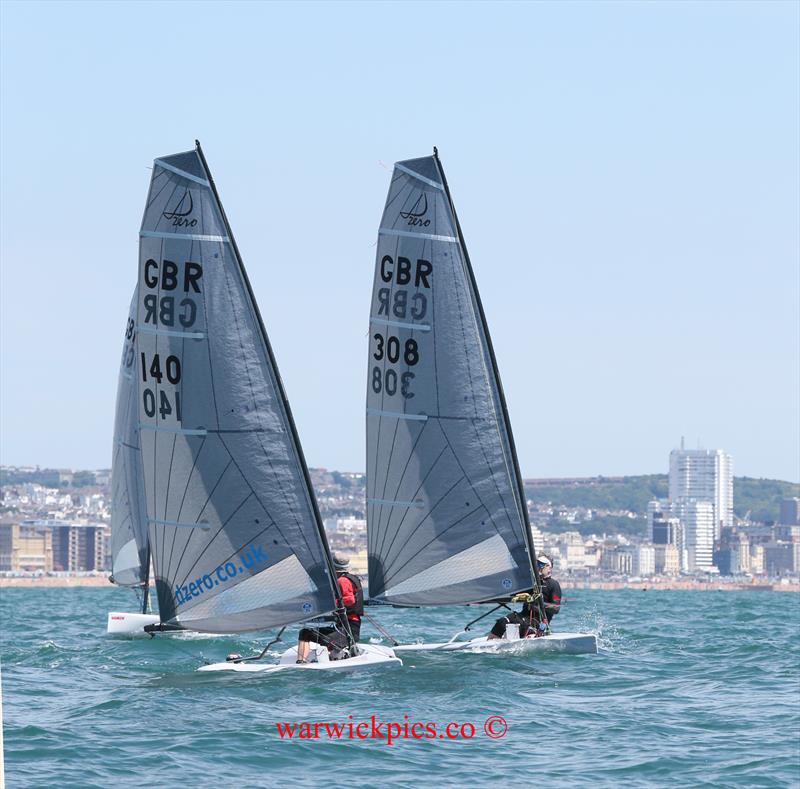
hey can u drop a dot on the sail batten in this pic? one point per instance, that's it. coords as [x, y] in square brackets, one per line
[437, 432]
[228, 495]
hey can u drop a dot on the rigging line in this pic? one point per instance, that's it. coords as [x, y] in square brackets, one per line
[385, 531]
[394, 642]
[432, 540]
[391, 562]
[263, 651]
[413, 498]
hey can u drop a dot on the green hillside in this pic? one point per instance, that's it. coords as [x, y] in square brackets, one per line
[760, 497]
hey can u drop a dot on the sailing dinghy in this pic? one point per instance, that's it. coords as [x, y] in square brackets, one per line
[447, 518]
[130, 551]
[234, 530]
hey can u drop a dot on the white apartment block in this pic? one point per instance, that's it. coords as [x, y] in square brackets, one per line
[703, 475]
[697, 518]
[645, 560]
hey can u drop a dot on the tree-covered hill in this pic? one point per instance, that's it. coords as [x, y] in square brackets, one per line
[760, 497]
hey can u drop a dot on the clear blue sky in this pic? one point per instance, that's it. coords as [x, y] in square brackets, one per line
[626, 175]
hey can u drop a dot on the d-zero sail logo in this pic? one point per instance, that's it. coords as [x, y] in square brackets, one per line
[417, 211]
[246, 562]
[183, 208]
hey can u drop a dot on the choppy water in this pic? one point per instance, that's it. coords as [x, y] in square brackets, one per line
[690, 688]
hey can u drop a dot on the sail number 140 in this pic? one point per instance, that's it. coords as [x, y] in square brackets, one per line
[172, 371]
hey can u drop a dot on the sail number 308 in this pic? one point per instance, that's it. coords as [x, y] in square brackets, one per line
[388, 380]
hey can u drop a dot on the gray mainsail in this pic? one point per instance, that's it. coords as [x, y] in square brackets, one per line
[130, 556]
[446, 514]
[235, 533]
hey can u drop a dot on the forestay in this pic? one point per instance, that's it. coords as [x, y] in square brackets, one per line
[446, 517]
[128, 509]
[235, 539]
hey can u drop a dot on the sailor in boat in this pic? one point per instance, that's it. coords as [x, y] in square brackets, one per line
[335, 638]
[528, 617]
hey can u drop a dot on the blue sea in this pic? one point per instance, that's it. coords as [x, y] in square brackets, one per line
[689, 689]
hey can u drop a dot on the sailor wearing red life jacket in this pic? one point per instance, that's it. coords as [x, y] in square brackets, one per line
[335, 637]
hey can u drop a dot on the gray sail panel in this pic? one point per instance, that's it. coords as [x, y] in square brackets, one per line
[232, 528]
[444, 520]
[128, 506]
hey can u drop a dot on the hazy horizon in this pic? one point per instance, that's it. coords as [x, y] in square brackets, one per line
[362, 472]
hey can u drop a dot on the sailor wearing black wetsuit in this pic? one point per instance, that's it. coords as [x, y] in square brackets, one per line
[352, 596]
[528, 617]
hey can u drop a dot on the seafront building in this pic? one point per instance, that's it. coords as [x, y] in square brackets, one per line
[42, 545]
[697, 518]
[62, 526]
[25, 548]
[703, 475]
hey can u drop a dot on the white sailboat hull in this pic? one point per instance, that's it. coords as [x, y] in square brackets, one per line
[371, 656]
[565, 643]
[121, 623]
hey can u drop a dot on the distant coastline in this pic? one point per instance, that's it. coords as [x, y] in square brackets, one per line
[66, 580]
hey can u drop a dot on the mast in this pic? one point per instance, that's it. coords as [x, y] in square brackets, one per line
[282, 393]
[146, 594]
[520, 487]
